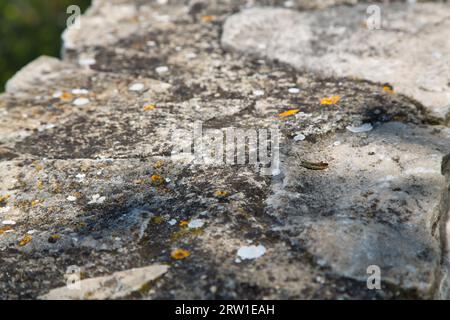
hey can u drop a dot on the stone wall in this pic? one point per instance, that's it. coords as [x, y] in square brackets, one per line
[90, 181]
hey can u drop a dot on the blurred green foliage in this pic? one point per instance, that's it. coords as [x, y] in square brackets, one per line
[30, 28]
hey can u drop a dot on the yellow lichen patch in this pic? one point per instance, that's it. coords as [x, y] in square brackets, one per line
[158, 219]
[208, 18]
[157, 179]
[180, 254]
[4, 229]
[25, 240]
[40, 185]
[159, 164]
[35, 202]
[53, 238]
[220, 194]
[388, 89]
[330, 100]
[288, 113]
[149, 107]
[38, 167]
[3, 199]
[184, 223]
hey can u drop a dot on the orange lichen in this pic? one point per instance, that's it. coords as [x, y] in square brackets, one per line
[288, 113]
[180, 254]
[157, 179]
[208, 18]
[25, 240]
[4, 229]
[184, 223]
[388, 89]
[3, 199]
[66, 96]
[330, 100]
[221, 194]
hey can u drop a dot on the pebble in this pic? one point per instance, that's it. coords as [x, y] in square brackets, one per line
[196, 223]
[258, 93]
[162, 69]
[294, 90]
[136, 87]
[299, 137]
[71, 198]
[172, 222]
[363, 128]
[81, 101]
[251, 252]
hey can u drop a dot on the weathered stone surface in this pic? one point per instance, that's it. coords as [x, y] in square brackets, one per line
[379, 203]
[118, 285]
[411, 51]
[93, 182]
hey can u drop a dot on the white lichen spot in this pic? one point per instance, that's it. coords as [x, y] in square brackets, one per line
[4, 209]
[172, 222]
[294, 90]
[80, 177]
[46, 127]
[196, 223]
[81, 101]
[86, 61]
[57, 94]
[191, 55]
[80, 91]
[71, 198]
[8, 222]
[30, 232]
[162, 69]
[251, 252]
[97, 199]
[136, 87]
[363, 128]
[288, 4]
[258, 93]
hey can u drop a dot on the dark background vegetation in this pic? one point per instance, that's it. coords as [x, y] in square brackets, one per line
[30, 28]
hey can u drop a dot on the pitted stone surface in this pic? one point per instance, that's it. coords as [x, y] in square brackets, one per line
[411, 50]
[93, 183]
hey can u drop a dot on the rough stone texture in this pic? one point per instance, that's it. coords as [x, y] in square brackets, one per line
[382, 200]
[411, 51]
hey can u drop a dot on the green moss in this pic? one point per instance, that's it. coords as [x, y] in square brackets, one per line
[30, 28]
